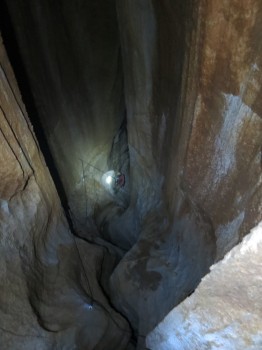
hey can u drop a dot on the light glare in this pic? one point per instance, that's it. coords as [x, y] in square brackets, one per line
[109, 179]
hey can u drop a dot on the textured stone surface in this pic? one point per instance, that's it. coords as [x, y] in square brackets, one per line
[221, 164]
[225, 312]
[71, 52]
[194, 131]
[44, 295]
[192, 87]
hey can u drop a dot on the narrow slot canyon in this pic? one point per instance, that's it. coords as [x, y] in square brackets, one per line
[130, 175]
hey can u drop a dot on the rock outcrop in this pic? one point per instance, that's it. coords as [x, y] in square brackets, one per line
[225, 312]
[194, 131]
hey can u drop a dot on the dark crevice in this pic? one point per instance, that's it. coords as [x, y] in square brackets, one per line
[15, 58]
[14, 55]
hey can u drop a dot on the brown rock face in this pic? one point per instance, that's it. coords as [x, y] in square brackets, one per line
[167, 92]
[195, 136]
[223, 157]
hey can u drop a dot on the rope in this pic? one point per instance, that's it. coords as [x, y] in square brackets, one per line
[94, 302]
[84, 182]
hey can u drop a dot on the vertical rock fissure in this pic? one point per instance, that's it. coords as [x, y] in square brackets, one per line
[14, 55]
[166, 94]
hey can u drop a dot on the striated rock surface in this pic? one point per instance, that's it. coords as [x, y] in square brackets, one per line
[178, 111]
[71, 52]
[195, 132]
[161, 268]
[225, 312]
[221, 127]
[46, 301]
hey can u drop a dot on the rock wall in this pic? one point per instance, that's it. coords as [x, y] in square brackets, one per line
[225, 312]
[161, 260]
[192, 85]
[71, 53]
[192, 81]
[46, 301]
[210, 161]
[217, 162]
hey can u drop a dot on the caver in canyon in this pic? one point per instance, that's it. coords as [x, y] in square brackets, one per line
[167, 93]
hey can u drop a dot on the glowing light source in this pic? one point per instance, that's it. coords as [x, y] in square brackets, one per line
[109, 179]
